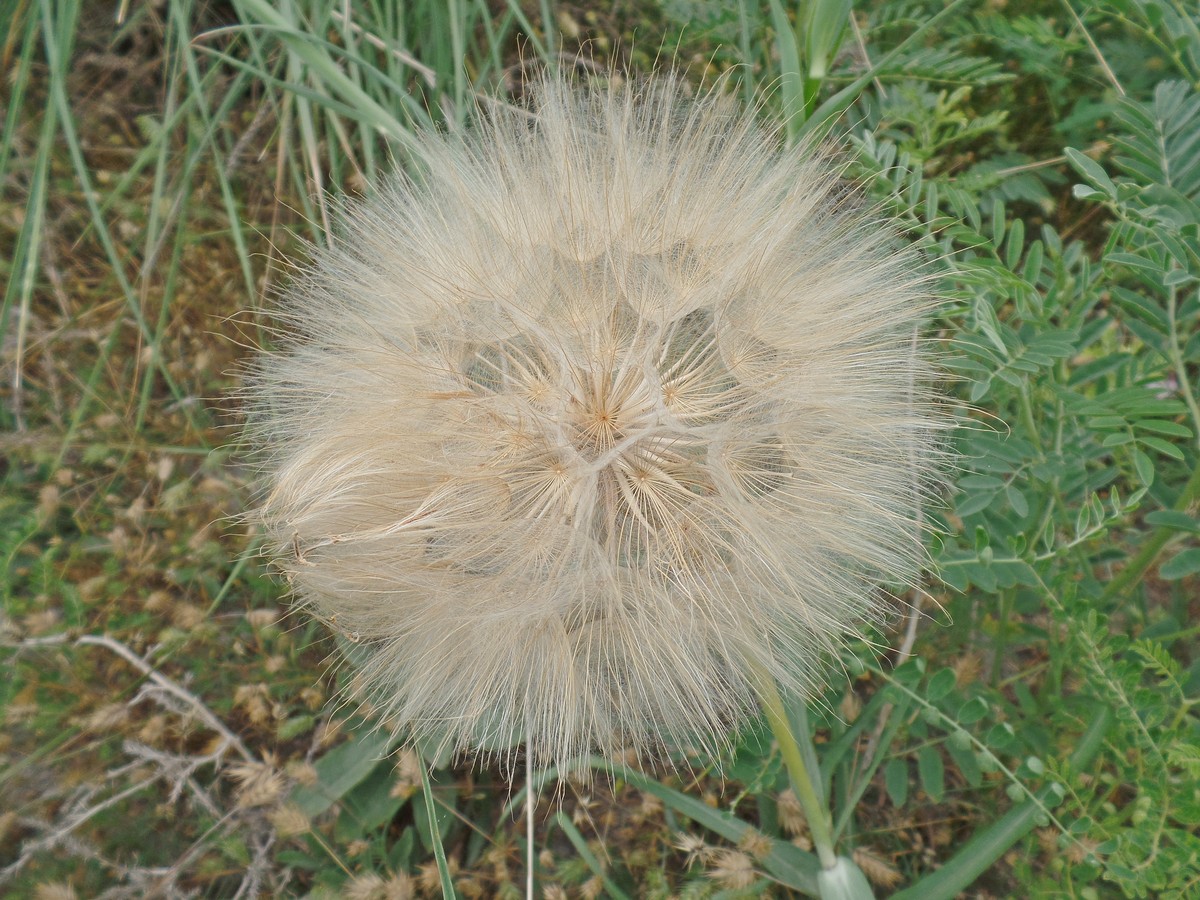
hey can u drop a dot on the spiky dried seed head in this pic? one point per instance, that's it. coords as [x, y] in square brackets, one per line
[791, 813]
[290, 820]
[259, 783]
[758, 845]
[54, 890]
[694, 846]
[732, 869]
[375, 887]
[617, 397]
[879, 871]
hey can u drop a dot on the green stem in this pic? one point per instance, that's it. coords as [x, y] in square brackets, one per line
[1136, 567]
[585, 852]
[987, 846]
[1177, 361]
[435, 837]
[802, 780]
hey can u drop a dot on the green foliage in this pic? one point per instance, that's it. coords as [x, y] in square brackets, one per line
[1080, 361]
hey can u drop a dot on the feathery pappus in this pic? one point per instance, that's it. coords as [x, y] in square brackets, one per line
[611, 400]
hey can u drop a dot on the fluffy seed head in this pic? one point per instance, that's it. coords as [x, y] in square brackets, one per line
[615, 396]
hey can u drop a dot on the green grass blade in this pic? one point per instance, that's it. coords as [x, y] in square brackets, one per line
[316, 55]
[821, 121]
[825, 23]
[458, 50]
[585, 852]
[540, 47]
[26, 256]
[439, 852]
[748, 15]
[863, 780]
[791, 74]
[20, 81]
[793, 867]
[58, 36]
[982, 851]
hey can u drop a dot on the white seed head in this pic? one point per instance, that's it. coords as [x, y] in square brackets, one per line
[615, 397]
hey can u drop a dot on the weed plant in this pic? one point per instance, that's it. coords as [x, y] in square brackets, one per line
[169, 730]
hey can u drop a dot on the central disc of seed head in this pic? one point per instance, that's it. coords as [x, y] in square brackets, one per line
[608, 433]
[606, 408]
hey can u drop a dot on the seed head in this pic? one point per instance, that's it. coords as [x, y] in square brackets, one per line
[615, 396]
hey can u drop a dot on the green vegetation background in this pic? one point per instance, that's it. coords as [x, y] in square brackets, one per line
[168, 731]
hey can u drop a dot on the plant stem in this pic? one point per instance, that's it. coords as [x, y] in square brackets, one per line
[530, 803]
[803, 782]
[435, 837]
[992, 842]
[1176, 354]
[1136, 567]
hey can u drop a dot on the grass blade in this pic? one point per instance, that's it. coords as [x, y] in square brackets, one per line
[585, 852]
[791, 74]
[435, 839]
